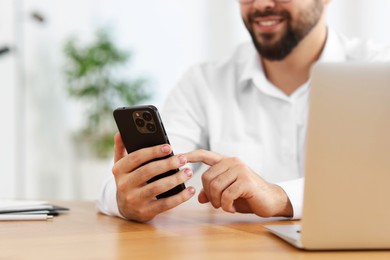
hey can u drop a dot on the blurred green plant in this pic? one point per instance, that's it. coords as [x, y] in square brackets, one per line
[92, 74]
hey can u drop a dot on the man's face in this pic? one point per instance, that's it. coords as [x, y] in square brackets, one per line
[277, 28]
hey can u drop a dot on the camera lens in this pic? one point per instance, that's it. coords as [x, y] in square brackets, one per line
[147, 116]
[140, 122]
[151, 127]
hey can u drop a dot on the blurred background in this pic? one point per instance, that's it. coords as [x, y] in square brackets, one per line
[64, 64]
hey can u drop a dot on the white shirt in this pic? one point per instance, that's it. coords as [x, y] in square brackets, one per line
[231, 108]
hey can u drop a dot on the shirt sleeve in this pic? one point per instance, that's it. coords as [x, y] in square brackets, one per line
[184, 113]
[107, 203]
[294, 191]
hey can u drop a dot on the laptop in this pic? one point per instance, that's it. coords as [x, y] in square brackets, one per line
[347, 162]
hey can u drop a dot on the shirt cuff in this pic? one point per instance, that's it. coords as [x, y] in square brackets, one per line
[107, 204]
[294, 191]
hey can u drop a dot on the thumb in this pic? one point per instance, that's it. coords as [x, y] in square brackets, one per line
[202, 197]
[119, 148]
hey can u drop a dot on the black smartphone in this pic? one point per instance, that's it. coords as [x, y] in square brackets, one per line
[141, 127]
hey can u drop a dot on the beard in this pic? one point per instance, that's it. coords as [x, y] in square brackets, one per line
[265, 43]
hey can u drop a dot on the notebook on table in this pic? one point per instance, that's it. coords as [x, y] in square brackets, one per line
[347, 161]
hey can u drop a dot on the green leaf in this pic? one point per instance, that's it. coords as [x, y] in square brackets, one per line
[91, 72]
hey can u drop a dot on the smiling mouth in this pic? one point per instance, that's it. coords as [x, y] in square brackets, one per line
[269, 23]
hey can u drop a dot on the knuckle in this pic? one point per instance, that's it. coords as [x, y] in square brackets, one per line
[147, 172]
[225, 197]
[153, 191]
[156, 151]
[203, 152]
[180, 177]
[180, 198]
[173, 180]
[135, 158]
[228, 194]
[205, 177]
[115, 170]
[122, 187]
[175, 161]
[214, 185]
[165, 205]
[142, 214]
[171, 162]
[235, 160]
[174, 201]
[133, 209]
[157, 167]
[131, 201]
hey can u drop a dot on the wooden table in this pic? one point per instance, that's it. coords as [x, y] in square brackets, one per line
[187, 232]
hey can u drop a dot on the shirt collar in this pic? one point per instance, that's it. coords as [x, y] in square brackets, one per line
[250, 66]
[253, 74]
[252, 70]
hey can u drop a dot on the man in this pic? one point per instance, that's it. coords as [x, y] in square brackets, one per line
[245, 118]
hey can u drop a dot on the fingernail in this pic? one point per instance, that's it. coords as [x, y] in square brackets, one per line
[182, 159]
[165, 148]
[191, 190]
[188, 172]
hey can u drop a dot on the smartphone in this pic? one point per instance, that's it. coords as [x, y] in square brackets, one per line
[141, 127]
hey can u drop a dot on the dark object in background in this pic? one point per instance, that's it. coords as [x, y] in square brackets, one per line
[38, 17]
[4, 50]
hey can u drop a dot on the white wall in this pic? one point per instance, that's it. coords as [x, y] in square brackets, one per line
[367, 19]
[166, 37]
[7, 103]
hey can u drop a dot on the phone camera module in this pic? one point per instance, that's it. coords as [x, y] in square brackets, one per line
[140, 122]
[147, 116]
[151, 127]
[144, 122]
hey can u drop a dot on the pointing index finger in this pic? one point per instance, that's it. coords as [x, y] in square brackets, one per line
[207, 157]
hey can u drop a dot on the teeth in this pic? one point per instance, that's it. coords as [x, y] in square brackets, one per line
[268, 23]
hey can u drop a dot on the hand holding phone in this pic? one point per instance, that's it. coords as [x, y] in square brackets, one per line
[150, 169]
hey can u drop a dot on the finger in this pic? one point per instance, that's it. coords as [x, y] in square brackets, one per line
[229, 195]
[202, 197]
[152, 169]
[161, 205]
[135, 159]
[162, 185]
[119, 148]
[207, 157]
[209, 176]
[218, 185]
